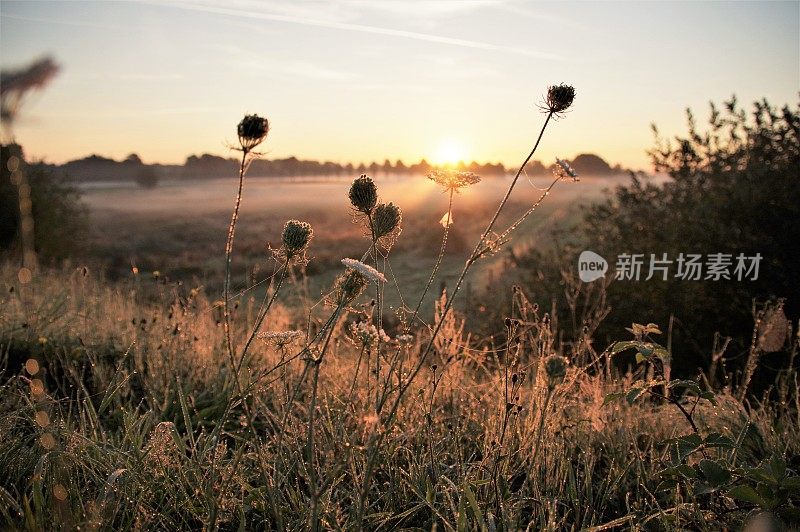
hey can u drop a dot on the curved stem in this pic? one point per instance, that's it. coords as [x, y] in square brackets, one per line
[378, 317]
[262, 315]
[473, 257]
[424, 356]
[226, 288]
[227, 316]
[435, 266]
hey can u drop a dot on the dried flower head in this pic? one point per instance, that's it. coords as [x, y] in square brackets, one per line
[555, 367]
[348, 286]
[367, 335]
[559, 98]
[252, 131]
[363, 194]
[404, 338]
[386, 222]
[386, 219]
[162, 451]
[296, 236]
[452, 180]
[280, 338]
[773, 328]
[367, 271]
[16, 84]
[563, 170]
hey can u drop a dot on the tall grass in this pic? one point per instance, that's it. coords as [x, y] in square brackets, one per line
[143, 405]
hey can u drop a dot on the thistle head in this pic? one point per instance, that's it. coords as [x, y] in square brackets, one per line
[386, 219]
[296, 236]
[252, 131]
[559, 98]
[555, 368]
[363, 194]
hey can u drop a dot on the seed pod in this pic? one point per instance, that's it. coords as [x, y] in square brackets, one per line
[773, 329]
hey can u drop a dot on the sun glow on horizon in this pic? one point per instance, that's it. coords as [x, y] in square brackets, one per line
[449, 152]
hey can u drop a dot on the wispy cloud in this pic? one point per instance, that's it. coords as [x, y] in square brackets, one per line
[63, 22]
[362, 28]
[422, 8]
[242, 58]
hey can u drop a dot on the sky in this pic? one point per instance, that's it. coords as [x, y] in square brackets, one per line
[353, 81]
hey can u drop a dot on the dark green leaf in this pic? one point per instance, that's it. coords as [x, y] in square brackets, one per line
[747, 494]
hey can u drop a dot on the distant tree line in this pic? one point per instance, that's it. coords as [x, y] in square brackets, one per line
[206, 166]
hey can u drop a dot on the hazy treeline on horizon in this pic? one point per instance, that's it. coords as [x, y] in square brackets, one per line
[98, 168]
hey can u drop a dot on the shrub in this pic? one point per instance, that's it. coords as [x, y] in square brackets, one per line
[732, 189]
[59, 217]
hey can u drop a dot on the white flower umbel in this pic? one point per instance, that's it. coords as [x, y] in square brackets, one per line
[280, 337]
[367, 271]
[367, 334]
[563, 169]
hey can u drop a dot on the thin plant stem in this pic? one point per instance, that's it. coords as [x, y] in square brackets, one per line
[229, 258]
[227, 315]
[540, 428]
[435, 266]
[262, 315]
[378, 317]
[311, 417]
[476, 253]
[358, 367]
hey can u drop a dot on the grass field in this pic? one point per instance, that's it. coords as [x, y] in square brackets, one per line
[124, 407]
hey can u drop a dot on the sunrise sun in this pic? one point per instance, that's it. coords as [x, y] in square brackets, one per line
[449, 152]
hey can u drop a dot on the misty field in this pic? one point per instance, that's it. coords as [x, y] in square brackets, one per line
[178, 229]
[121, 409]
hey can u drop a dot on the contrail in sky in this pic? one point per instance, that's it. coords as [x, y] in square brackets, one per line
[363, 28]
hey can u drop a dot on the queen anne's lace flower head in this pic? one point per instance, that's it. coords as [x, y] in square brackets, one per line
[367, 335]
[453, 180]
[252, 131]
[559, 98]
[364, 269]
[280, 338]
[563, 170]
[363, 194]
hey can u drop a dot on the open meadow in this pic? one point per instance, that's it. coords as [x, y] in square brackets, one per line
[375, 266]
[178, 228]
